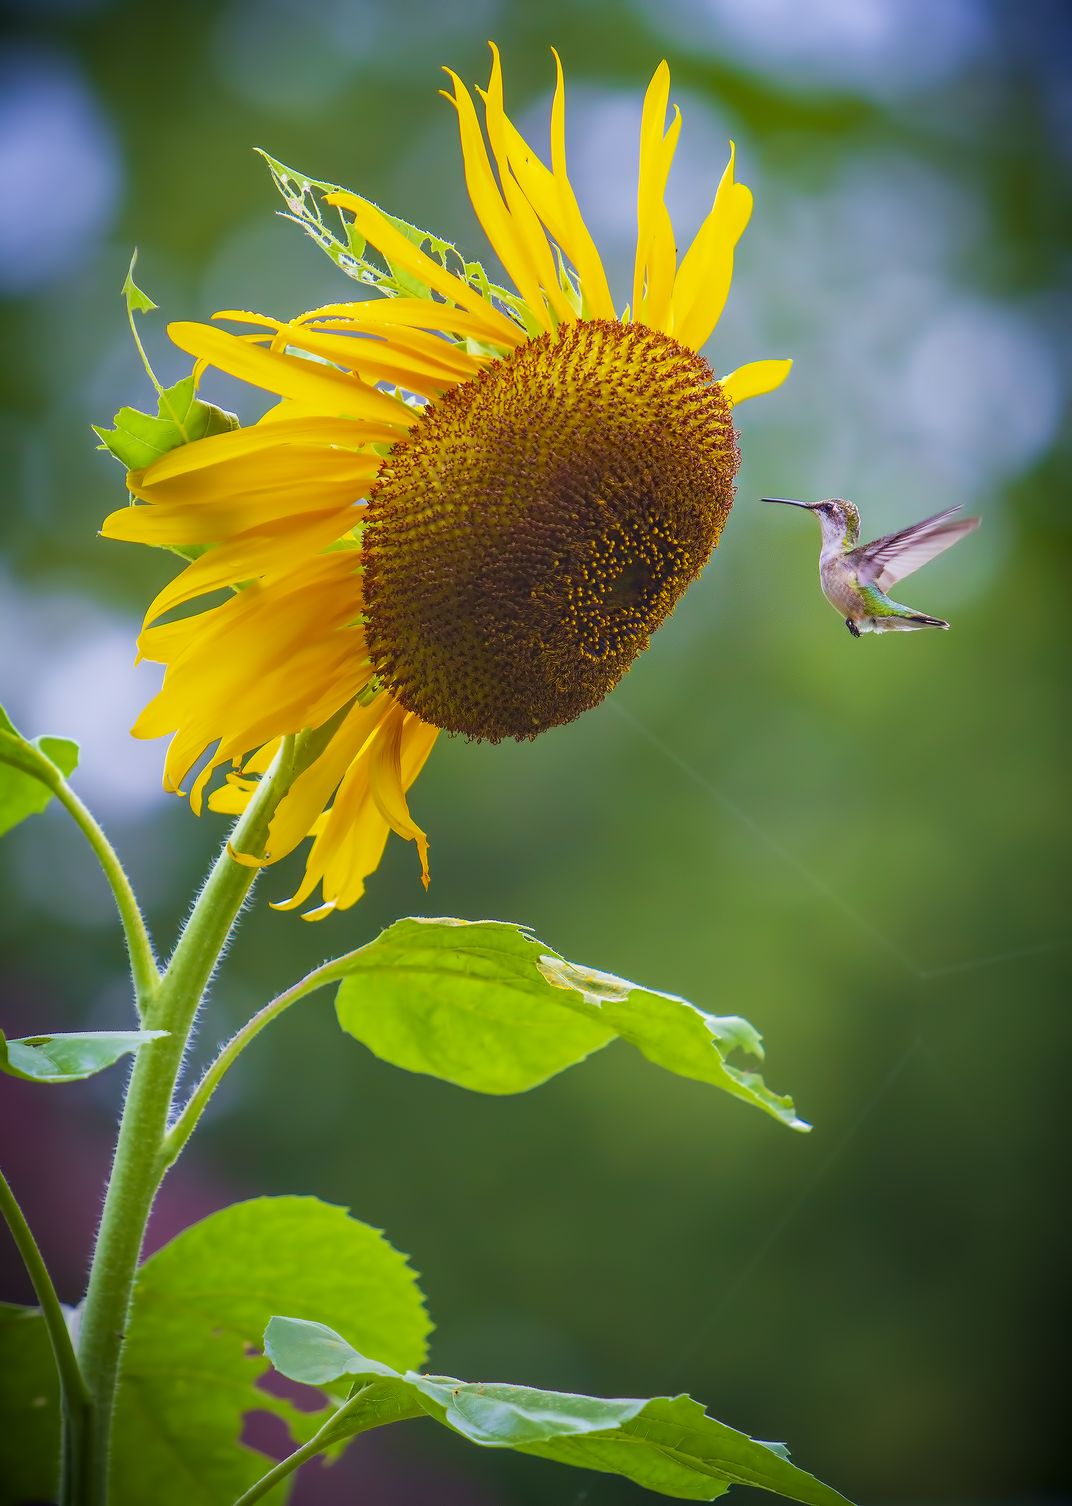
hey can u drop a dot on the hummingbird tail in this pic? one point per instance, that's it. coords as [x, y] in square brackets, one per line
[900, 622]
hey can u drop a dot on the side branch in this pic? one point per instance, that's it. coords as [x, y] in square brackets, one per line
[196, 1104]
[143, 968]
[330, 1433]
[76, 1397]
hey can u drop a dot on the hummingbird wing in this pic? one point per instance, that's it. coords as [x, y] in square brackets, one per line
[885, 561]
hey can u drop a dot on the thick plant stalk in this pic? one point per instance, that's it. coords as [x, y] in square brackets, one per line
[140, 1163]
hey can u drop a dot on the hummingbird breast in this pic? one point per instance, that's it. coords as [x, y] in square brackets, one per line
[840, 587]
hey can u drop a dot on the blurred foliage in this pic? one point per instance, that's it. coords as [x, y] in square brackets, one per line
[857, 845]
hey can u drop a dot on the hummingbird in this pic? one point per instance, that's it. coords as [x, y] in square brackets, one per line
[855, 577]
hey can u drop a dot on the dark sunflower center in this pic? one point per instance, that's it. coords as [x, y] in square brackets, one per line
[538, 524]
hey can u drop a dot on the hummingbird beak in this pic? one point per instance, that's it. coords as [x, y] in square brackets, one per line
[788, 502]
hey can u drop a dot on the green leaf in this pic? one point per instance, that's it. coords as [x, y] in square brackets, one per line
[487, 1006]
[673, 1033]
[192, 1360]
[315, 1354]
[181, 417]
[464, 1002]
[667, 1444]
[30, 771]
[69, 1058]
[29, 1408]
[302, 195]
[136, 300]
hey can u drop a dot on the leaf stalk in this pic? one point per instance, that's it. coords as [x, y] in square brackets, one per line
[316, 1445]
[195, 1106]
[76, 1397]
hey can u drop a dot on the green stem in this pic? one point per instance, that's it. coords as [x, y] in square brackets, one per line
[143, 968]
[77, 1402]
[316, 1445]
[139, 1163]
[196, 1104]
[15, 750]
[150, 373]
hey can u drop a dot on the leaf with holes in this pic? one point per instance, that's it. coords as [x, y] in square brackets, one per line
[192, 1360]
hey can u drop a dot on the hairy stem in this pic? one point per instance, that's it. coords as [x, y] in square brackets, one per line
[15, 750]
[143, 968]
[139, 1163]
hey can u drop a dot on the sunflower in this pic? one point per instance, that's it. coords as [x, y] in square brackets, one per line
[469, 507]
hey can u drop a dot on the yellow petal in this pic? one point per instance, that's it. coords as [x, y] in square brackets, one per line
[388, 790]
[348, 845]
[277, 658]
[384, 357]
[529, 230]
[266, 549]
[375, 227]
[310, 792]
[703, 280]
[208, 506]
[579, 245]
[656, 253]
[493, 214]
[753, 380]
[350, 838]
[342, 433]
[418, 313]
[335, 392]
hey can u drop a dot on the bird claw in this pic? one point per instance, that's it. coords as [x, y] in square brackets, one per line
[853, 629]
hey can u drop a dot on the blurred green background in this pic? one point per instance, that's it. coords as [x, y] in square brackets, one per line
[856, 844]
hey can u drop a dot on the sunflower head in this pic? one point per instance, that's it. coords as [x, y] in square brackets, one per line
[537, 525]
[468, 512]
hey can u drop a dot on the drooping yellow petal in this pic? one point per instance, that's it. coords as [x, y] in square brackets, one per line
[334, 392]
[311, 791]
[753, 380]
[703, 280]
[389, 791]
[349, 839]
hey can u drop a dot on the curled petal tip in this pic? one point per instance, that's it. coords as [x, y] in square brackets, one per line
[321, 912]
[246, 859]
